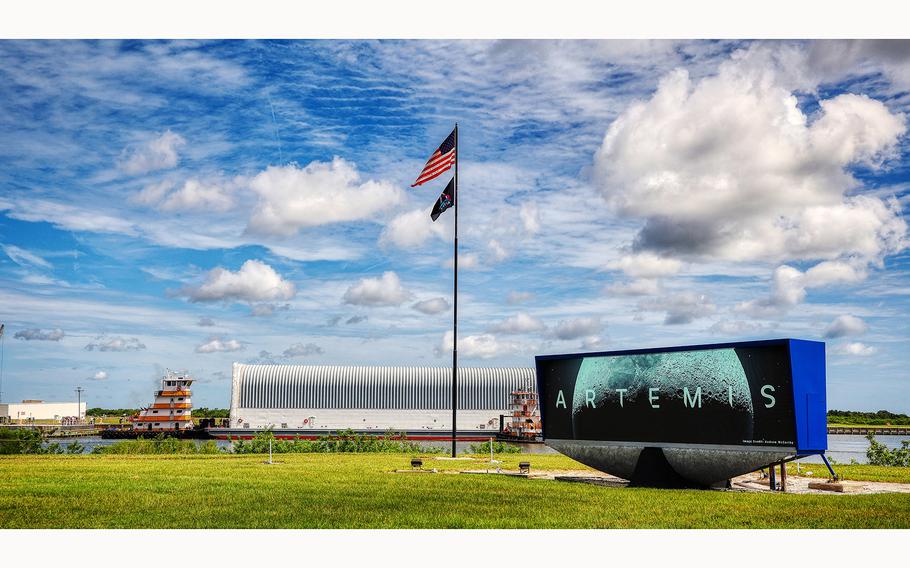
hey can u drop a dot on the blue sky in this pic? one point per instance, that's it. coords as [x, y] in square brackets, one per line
[190, 204]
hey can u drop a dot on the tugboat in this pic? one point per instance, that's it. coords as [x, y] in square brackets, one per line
[170, 414]
[524, 419]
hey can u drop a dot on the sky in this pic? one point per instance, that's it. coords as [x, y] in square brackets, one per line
[190, 204]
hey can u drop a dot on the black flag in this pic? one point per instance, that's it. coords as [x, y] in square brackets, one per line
[445, 200]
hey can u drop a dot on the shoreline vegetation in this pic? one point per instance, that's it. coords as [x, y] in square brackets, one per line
[343, 442]
[835, 418]
[31, 441]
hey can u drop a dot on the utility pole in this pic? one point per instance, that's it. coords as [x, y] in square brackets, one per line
[455, 311]
[79, 391]
[2, 327]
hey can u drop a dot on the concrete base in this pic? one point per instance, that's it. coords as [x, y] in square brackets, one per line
[822, 486]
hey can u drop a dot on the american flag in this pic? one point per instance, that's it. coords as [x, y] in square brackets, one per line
[441, 160]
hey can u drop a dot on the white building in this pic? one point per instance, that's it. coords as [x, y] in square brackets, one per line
[411, 399]
[40, 410]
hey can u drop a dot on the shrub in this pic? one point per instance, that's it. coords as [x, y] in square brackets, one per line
[20, 441]
[160, 444]
[880, 454]
[28, 441]
[498, 448]
[343, 442]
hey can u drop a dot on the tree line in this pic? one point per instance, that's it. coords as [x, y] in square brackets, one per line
[879, 418]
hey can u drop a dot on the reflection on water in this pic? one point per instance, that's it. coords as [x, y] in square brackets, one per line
[845, 447]
[841, 447]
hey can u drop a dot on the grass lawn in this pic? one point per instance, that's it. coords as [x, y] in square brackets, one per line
[855, 472]
[357, 491]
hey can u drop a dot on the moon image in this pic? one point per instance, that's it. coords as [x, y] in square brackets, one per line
[698, 396]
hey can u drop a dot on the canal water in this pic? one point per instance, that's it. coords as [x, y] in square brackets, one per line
[841, 447]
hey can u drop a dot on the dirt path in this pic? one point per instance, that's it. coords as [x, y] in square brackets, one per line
[751, 482]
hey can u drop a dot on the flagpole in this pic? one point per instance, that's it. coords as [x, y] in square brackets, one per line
[455, 305]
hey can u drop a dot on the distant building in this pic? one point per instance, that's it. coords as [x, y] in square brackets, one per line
[411, 399]
[39, 410]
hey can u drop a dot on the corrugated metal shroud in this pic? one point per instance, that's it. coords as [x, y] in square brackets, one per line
[340, 387]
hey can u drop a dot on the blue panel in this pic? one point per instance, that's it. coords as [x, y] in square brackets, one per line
[807, 362]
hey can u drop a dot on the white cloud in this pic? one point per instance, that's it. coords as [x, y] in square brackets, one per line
[646, 265]
[466, 261]
[519, 323]
[845, 325]
[789, 285]
[482, 346]
[855, 349]
[736, 327]
[156, 154]
[639, 287]
[383, 291]
[833, 272]
[197, 195]
[497, 252]
[729, 167]
[530, 217]
[152, 193]
[680, 307]
[254, 282]
[217, 345]
[103, 343]
[516, 297]
[205, 321]
[42, 280]
[593, 343]
[99, 376]
[832, 60]
[412, 229]
[432, 306]
[301, 350]
[292, 198]
[35, 334]
[265, 310]
[66, 216]
[577, 327]
[23, 257]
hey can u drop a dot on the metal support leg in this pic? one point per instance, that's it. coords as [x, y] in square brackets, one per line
[783, 477]
[831, 469]
[772, 478]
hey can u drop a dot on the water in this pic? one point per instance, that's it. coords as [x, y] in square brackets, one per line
[845, 447]
[842, 447]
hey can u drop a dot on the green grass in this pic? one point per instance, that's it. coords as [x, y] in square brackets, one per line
[856, 472]
[357, 491]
